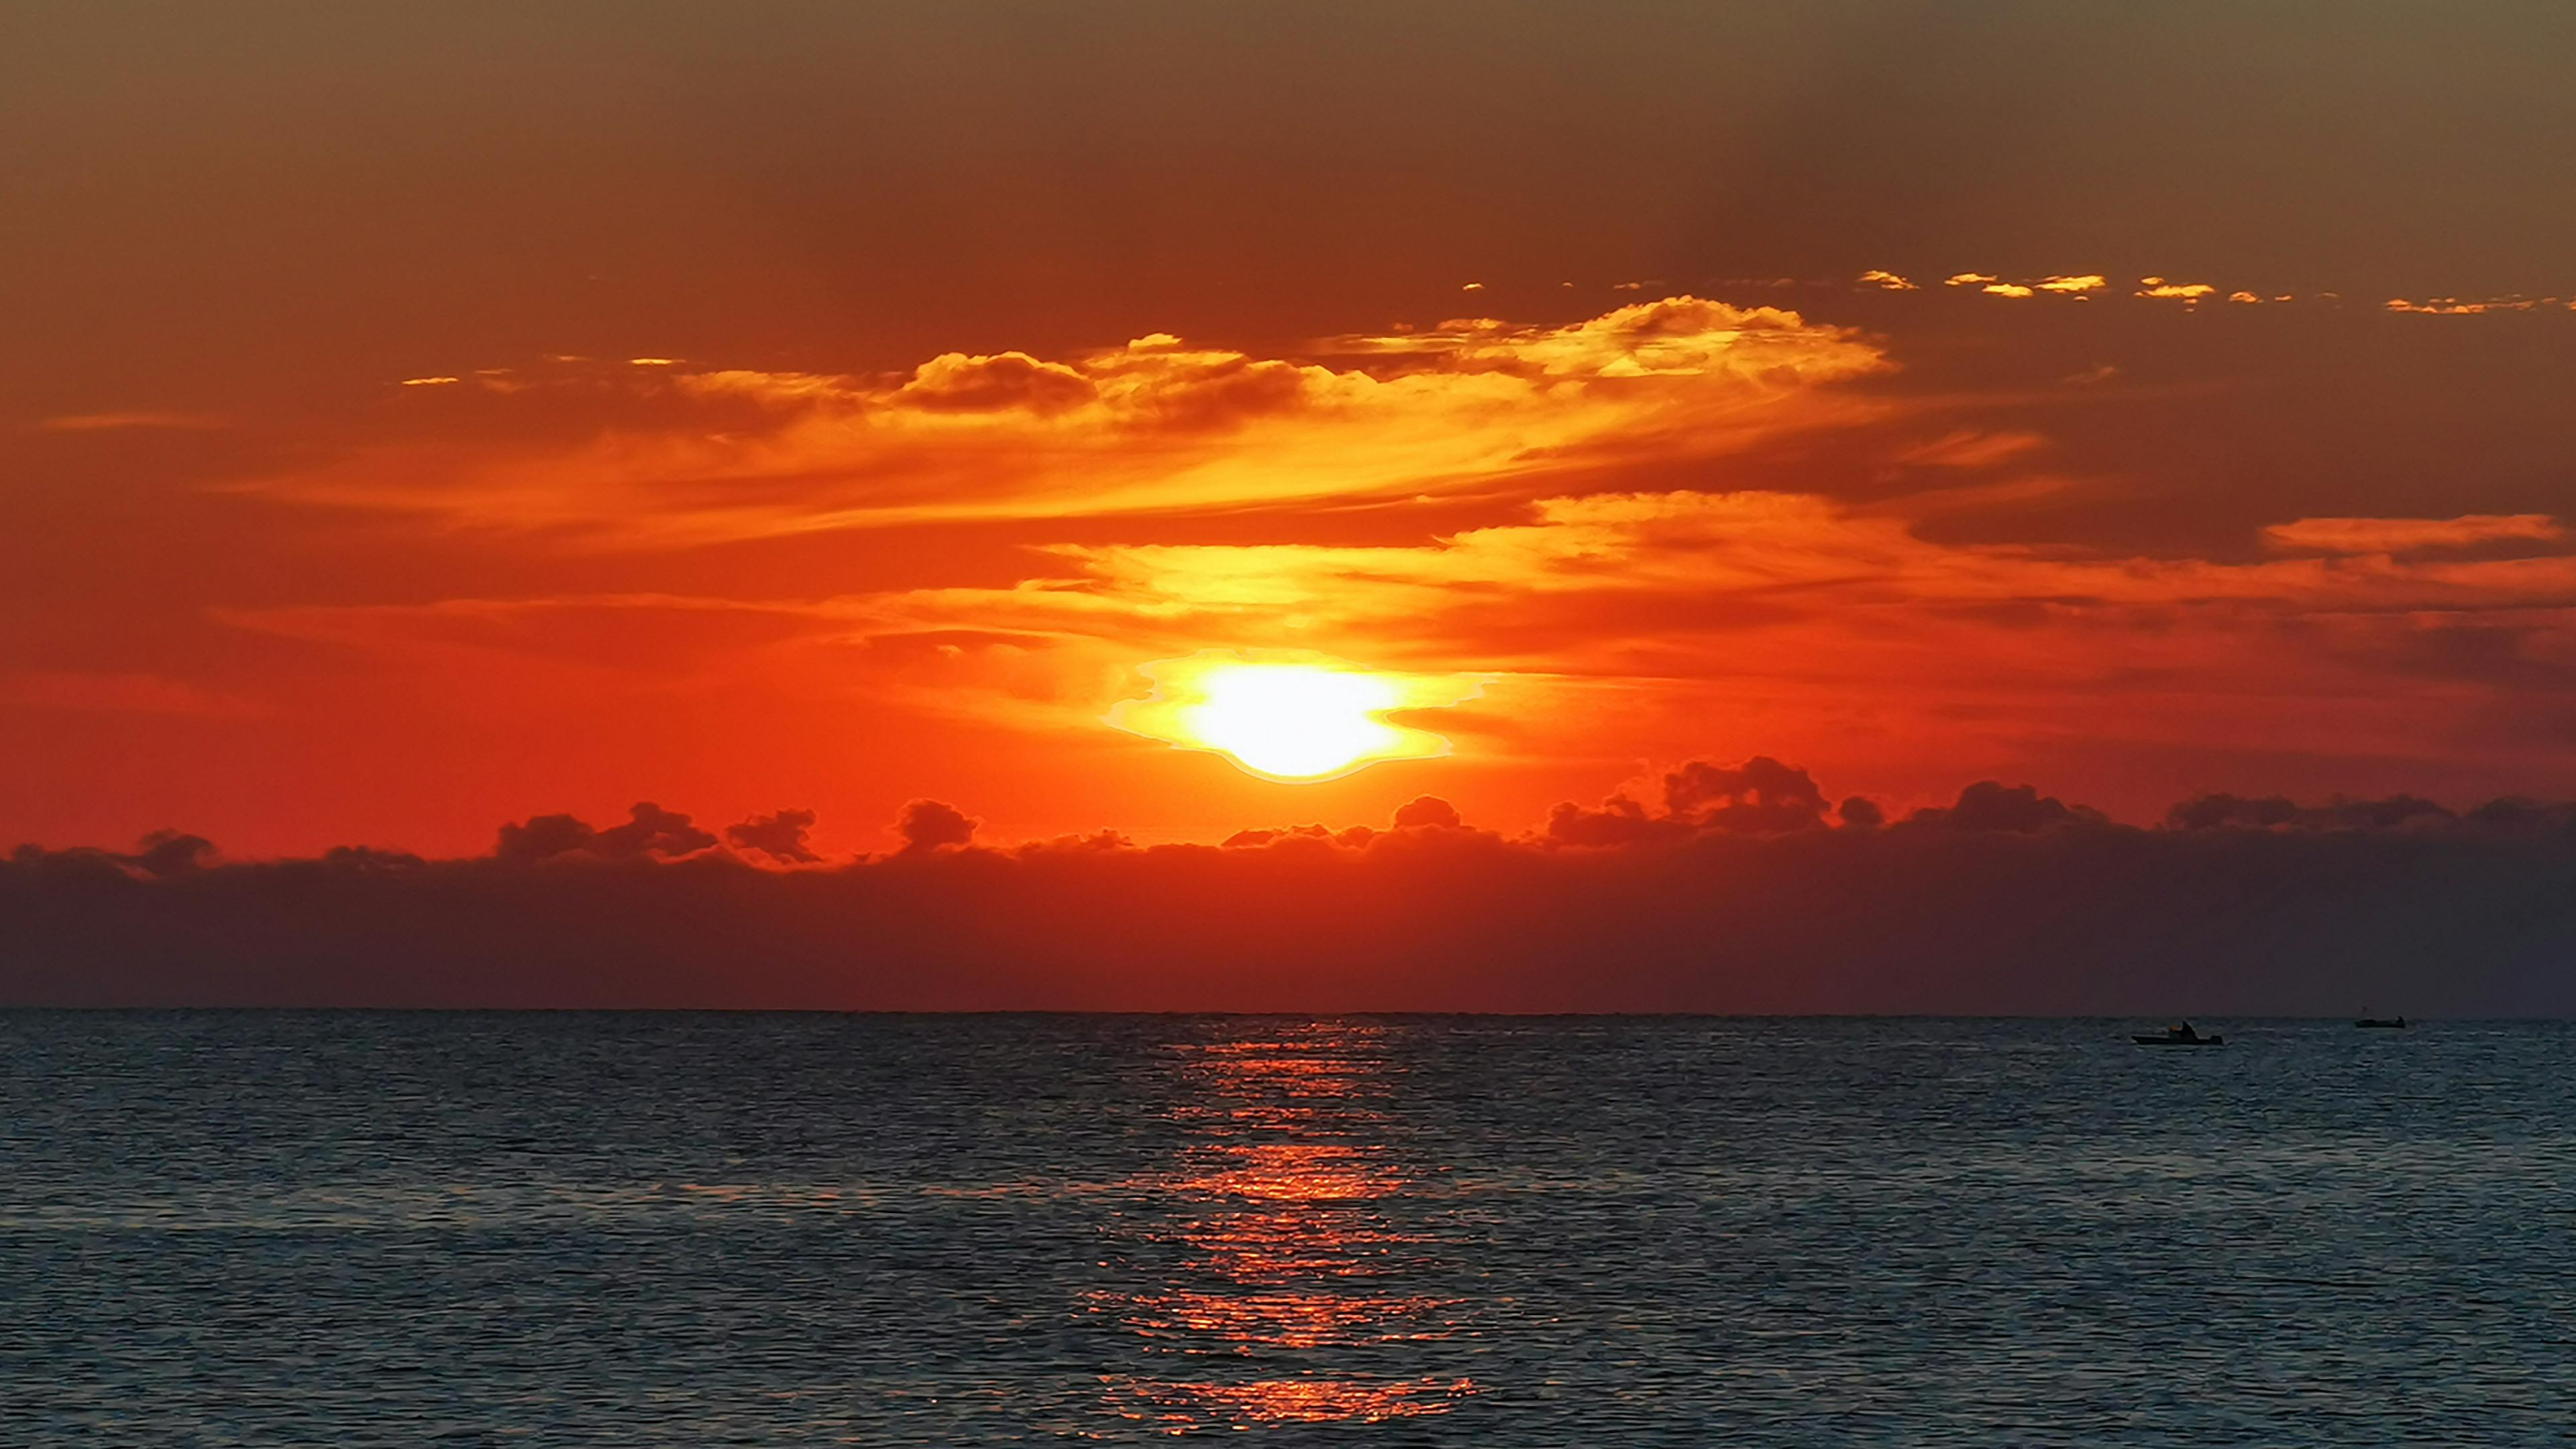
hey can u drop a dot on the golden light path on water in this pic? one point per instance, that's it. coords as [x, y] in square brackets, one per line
[1291, 1264]
[1289, 715]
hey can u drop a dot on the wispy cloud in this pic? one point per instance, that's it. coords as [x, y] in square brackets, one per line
[122, 421]
[126, 693]
[2408, 535]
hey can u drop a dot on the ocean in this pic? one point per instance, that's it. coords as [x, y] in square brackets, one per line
[324, 1228]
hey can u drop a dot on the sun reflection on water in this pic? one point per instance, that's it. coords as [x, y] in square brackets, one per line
[1291, 1264]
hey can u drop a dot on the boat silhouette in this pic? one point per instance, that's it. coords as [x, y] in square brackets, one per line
[2179, 1035]
[2388, 1023]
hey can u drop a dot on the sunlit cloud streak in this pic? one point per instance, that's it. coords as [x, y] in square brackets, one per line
[1154, 425]
[2406, 535]
[2158, 289]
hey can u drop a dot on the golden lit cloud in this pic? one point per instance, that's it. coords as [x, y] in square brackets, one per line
[1885, 281]
[2007, 289]
[2075, 285]
[1150, 426]
[2472, 307]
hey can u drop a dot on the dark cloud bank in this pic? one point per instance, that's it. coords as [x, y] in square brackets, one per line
[1741, 889]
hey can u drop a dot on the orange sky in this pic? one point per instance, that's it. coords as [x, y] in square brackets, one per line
[413, 422]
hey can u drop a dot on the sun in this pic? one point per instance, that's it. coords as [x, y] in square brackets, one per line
[1296, 718]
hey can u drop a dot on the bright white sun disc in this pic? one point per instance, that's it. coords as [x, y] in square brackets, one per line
[1293, 718]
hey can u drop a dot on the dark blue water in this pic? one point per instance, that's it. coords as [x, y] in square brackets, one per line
[348, 1229]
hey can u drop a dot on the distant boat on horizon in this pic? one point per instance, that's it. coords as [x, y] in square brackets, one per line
[2389, 1023]
[2180, 1034]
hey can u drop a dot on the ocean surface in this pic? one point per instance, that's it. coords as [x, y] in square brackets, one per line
[676, 1229]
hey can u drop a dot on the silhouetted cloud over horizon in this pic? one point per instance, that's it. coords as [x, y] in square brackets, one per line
[779, 835]
[651, 831]
[1737, 892]
[930, 824]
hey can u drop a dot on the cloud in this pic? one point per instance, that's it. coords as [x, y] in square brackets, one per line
[927, 825]
[2408, 535]
[2007, 901]
[1427, 810]
[1608, 610]
[2075, 285]
[145, 694]
[2019, 809]
[1519, 595]
[955, 382]
[2396, 812]
[1764, 797]
[1760, 796]
[1885, 281]
[2475, 307]
[1971, 448]
[1636, 617]
[161, 855]
[132, 421]
[166, 853]
[780, 836]
[650, 831]
[1149, 426]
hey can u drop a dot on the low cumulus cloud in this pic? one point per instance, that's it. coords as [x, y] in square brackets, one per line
[927, 825]
[781, 836]
[157, 856]
[650, 831]
[1729, 887]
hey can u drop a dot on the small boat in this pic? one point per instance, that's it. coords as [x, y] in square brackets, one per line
[2181, 1035]
[2390, 1023]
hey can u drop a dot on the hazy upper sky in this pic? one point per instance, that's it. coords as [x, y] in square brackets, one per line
[416, 417]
